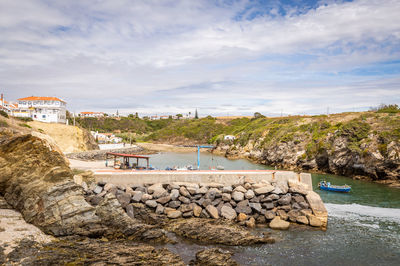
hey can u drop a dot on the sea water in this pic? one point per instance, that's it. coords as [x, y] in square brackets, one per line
[363, 225]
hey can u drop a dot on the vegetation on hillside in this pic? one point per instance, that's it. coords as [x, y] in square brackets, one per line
[312, 131]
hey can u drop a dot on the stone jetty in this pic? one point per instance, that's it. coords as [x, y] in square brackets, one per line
[249, 203]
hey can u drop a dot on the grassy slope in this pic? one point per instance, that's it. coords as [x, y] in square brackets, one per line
[312, 131]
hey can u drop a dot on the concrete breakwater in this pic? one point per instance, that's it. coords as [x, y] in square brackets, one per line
[248, 202]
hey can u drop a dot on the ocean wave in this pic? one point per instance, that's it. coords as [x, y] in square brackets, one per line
[362, 211]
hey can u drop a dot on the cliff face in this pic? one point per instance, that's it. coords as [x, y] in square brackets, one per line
[37, 181]
[358, 149]
[68, 138]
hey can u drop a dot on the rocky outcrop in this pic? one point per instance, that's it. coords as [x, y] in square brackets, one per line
[214, 256]
[337, 155]
[36, 180]
[86, 251]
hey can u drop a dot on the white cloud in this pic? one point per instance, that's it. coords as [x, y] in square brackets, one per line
[167, 55]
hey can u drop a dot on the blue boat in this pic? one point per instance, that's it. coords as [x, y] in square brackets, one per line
[323, 185]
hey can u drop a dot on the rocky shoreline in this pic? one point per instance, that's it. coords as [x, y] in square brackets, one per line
[105, 224]
[341, 160]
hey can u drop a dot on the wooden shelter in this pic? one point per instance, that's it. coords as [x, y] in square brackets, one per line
[126, 157]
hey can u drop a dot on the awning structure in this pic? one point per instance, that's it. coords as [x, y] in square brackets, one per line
[126, 158]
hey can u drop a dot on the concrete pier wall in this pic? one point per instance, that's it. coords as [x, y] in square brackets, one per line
[224, 177]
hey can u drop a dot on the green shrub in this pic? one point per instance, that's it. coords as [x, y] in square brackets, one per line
[25, 119]
[3, 113]
[390, 108]
[3, 123]
[24, 125]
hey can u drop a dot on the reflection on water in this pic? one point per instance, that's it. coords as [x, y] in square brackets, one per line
[363, 225]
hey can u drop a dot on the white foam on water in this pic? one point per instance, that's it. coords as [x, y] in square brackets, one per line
[354, 211]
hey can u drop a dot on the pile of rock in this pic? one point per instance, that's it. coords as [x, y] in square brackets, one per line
[249, 203]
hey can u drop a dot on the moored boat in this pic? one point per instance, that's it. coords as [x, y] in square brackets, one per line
[323, 185]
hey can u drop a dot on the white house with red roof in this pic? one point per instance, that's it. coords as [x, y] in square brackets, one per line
[43, 109]
[8, 107]
[91, 114]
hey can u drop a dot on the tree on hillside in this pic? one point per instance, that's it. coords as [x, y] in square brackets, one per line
[258, 115]
[196, 115]
[179, 116]
[136, 115]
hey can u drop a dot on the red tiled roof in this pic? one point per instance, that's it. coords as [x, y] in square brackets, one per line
[91, 113]
[35, 98]
[128, 155]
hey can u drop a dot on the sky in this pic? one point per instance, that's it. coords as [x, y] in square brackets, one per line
[223, 57]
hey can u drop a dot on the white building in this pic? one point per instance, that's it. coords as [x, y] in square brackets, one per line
[91, 114]
[229, 137]
[8, 107]
[43, 109]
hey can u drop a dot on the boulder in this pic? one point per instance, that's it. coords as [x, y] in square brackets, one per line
[187, 214]
[249, 194]
[109, 186]
[282, 214]
[251, 223]
[281, 188]
[296, 206]
[314, 221]
[238, 196]
[186, 207]
[174, 204]
[226, 197]
[184, 200]
[298, 198]
[146, 197]
[302, 220]
[184, 192]
[247, 186]
[160, 209]
[264, 190]
[268, 205]
[240, 189]
[153, 188]
[292, 215]
[242, 217]
[151, 203]
[192, 190]
[174, 194]
[202, 190]
[285, 199]
[255, 206]
[269, 215]
[206, 202]
[98, 189]
[228, 213]
[197, 210]
[279, 224]
[227, 189]
[129, 190]
[212, 211]
[164, 200]
[174, 214]
[137, 196]
[304, 205]
[124, 199]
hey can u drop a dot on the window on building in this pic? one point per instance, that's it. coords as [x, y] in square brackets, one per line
[43, 116]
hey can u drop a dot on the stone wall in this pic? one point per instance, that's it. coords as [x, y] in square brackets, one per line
[247, 202]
